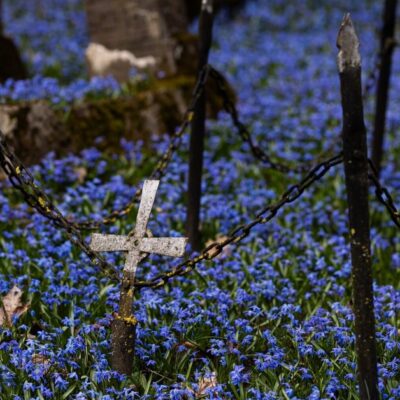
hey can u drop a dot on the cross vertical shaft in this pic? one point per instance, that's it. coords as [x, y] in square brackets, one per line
[135, 256]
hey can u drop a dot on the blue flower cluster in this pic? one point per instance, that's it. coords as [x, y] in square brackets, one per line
[39, 88]
[51, 34]
[270, 318]
[52, 38]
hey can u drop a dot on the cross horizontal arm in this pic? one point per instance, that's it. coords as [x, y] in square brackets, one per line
[174, 247]
[109, 243]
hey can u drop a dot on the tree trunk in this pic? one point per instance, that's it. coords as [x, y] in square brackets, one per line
[11, 66]
[193, 7]
[382, 91]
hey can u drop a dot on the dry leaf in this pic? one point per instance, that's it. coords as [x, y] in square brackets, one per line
[189, 345]
[40, 359]
[7, 124]
[81, 173]
[12, 306]
[205, 384]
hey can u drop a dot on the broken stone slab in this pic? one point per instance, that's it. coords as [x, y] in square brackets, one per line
[36, 128]
[142, 28]
[102, 61]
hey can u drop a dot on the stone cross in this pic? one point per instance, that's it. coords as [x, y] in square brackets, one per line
[136, 245]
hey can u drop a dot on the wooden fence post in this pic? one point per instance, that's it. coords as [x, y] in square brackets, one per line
[382, 92]
[196, 148]
[356, 171]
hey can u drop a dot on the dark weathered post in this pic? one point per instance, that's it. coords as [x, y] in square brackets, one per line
[382, 92]
[123, 329]
[198, 131]
[356, 171]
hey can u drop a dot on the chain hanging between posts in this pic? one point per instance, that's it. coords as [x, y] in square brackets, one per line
[163, 162]
[241, 232]
[245, 134]
[14, 164]
[383, 196]
[23, 181]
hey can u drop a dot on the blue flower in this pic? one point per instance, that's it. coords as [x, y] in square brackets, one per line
[237, 376]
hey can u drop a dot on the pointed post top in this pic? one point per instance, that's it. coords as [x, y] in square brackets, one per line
[348, 45]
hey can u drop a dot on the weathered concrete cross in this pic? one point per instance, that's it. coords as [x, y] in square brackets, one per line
[136, 245]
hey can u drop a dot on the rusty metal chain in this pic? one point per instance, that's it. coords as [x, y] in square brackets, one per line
[383, 195]
[23, 181]
[238, 234]
[158, 172]
[245, 134]
[163, 162]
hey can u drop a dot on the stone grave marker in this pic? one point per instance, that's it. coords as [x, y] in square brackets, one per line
[144, 28]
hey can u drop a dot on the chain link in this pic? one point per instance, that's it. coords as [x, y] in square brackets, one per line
[383, 195]
[23, 181]
[237, 235]
[11, 168]
[245, 134]
[162, 163]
